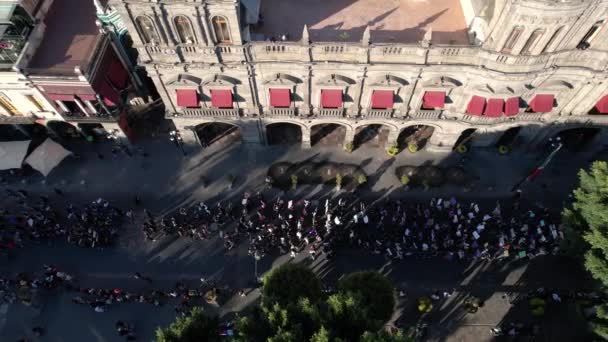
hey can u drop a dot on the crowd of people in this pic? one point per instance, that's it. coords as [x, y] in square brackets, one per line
[398, 229]
[35, 219]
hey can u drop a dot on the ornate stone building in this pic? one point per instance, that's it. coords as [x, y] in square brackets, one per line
[438, 72]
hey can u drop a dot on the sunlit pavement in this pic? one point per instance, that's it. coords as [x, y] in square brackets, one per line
[164, 179]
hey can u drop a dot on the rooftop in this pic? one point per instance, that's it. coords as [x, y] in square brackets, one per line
[69, 39]
[399, 21]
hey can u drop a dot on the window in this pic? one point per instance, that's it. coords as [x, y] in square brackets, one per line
[531, 42]
[552, 39]
[33, 100]
[146, 30]
[184, 29]
[593, 31]
[8, 106]
[220, 26]
[513, 37]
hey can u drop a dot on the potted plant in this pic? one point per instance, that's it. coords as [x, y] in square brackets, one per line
[405, 181]
[425, 305]
[412, 147]
[361, 179]
[503, 149]
[338, 181]
[349, 147]
[294, 181]
[393, 150]
[462, 149]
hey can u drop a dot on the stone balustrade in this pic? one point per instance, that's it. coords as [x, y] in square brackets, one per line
[282, 112]
[209, 112]
[198, 54]
[331, 112]
[279, 52]
[425, 115]
[379, 113]
[339, 52]
[397, 53]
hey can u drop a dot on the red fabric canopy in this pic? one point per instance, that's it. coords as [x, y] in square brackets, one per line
[476, 105]
[61, 97]
[494, 108]
[117, 74]
[87, 97]
[542, 103]
[331, 98]
[383, 99]
[187, 98]
[109, 95]
[512, 106]
[280, 98]
[602, 105]
[221, 98]
[433, 99]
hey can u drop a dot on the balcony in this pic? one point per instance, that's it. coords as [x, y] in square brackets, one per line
[231, 53]
[331, 112]
[162, 54]
[379, 114]
[209, 112]
[92, 118]
[198, 54]
[425, 115]
[410, 54]
[336, 52]
[263, 52]
[282, 112]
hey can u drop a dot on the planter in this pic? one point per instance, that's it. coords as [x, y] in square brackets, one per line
[462, 149]
[392, 151]
[503, 149]
[412, 147]
[349, 147]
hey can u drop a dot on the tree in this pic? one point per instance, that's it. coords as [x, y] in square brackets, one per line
[375, 290]
[585, 226]
[192, 328]
[285, 285]
[384, 336]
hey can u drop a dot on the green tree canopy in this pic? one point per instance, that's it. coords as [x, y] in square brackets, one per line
[194, 328]
[287, 284]
[375, 291]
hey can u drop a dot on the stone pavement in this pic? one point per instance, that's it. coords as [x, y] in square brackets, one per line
[165, 179]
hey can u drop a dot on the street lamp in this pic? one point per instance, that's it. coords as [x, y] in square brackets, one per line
[176, 138]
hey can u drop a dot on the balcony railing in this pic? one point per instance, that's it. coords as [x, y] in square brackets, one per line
[15, 120]
[213, 112]
[331, 112]
[80, 117]
[282, 112]
[425, 115]
[379, 113]
[339, 52]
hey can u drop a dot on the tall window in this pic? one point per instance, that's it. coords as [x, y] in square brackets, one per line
[513, 37]
[222, 33]
[33, 100]
[552, 39]
[184, 29]
[531, 42]
[8, 106]
[593, 31]
[146, 29]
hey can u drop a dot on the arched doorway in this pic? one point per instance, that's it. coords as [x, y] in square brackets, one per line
[329, 134]
[575, 139]
[283, 133]
[213, 132]
[64, 130]
[509, 137]
[374, 135]
[417, 135]
[465, 138]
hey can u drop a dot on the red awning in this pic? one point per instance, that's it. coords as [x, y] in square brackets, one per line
[61, 97]
[87, 97]
[542, 103]
[331, 98]
[109, 95]
[433, 99]
[383, 99]
[512, 106]
[221, 98]
[602, 105]
[187, 98]
[280, 98]
[494, 108]
[476, 105]
[117, 74]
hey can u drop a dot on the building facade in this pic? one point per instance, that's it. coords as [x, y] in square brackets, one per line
[438, 73]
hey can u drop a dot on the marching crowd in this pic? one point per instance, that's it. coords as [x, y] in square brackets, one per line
[35, 219]
[397, 229]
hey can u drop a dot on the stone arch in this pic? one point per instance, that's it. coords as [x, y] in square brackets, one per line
[465, 137]
[336, 79]
[389, 80]
[282, 79]
[418, 134]
[442, 81]
[180, 23]
[221, 29]
[221, 80]
[556, 84]
[484, 89]
[64, 130]
[577, 137]
[211, 132]
[373, 134]
[328, 133]
[509, 136]
[147, 29]
[284, 133]
[185, 79]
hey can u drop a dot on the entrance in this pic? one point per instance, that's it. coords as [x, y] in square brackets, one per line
[327, 134]
[212, 132]
[508, 137]
[417, 135]
[465, 138]
[283, 133]
[371, 135]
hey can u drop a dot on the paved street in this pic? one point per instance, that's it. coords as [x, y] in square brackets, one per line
[164, 179]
